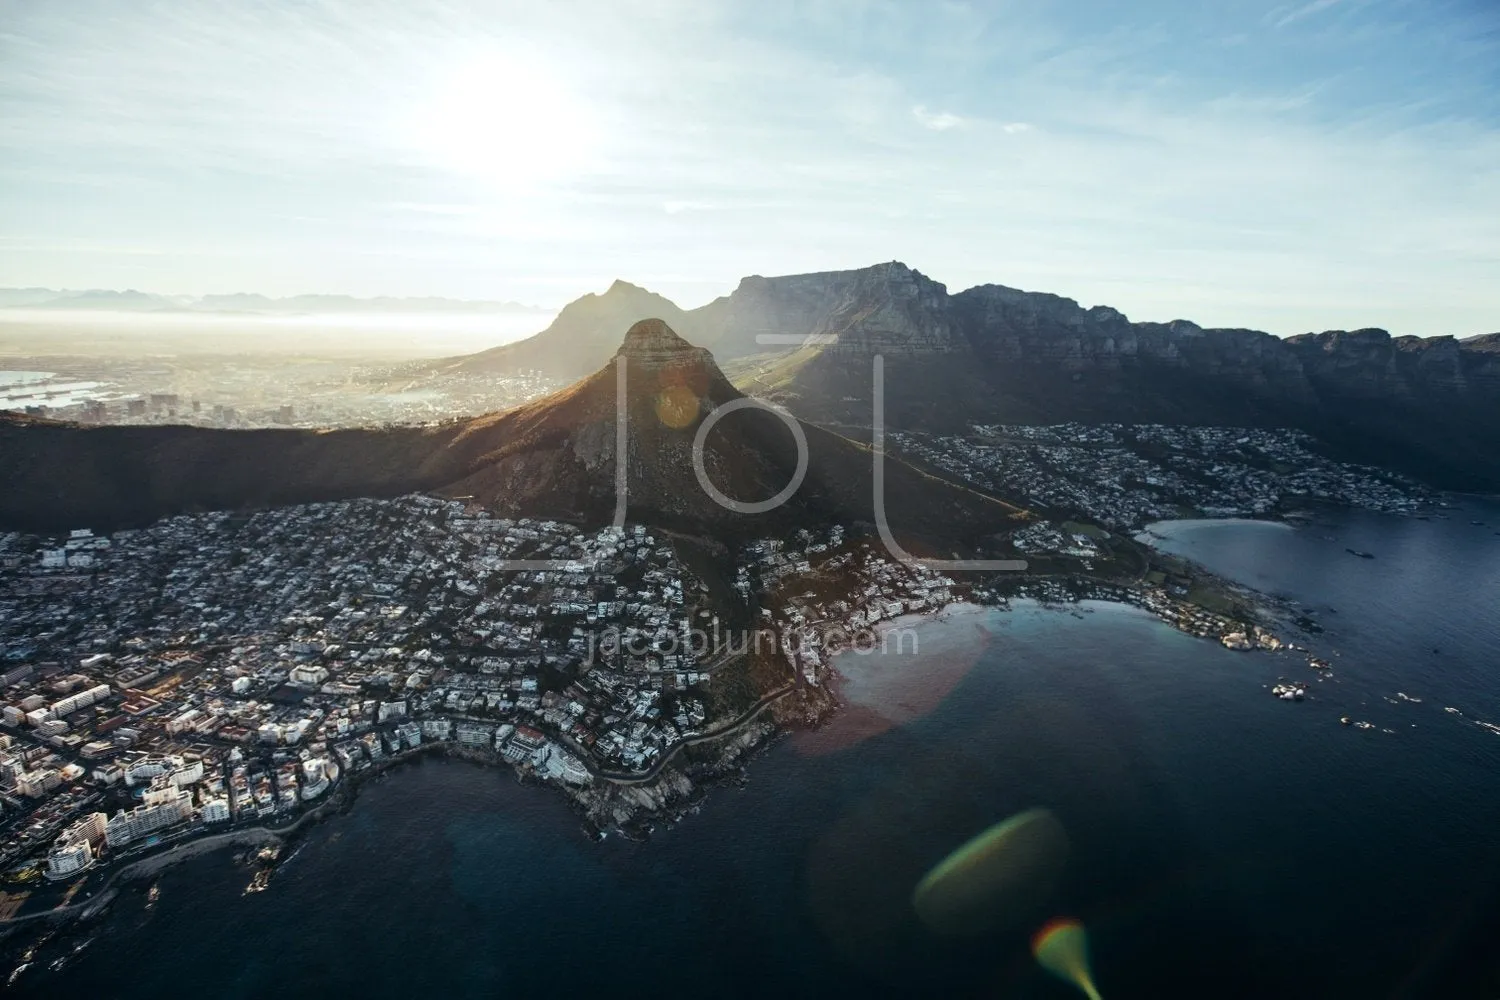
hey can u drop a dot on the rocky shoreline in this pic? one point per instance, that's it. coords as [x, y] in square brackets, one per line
[636, 808]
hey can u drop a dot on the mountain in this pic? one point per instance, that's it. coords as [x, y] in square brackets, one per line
[1428, 406]
[246, 302]
[129, 300]
[22, 297]
[555, 458]
[558, 455]
[582, 336]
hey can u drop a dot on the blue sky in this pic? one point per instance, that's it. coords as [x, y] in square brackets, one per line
[1293, 166]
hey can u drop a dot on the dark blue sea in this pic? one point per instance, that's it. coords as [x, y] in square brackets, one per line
[1223, 843]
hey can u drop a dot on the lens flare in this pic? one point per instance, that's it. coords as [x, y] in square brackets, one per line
[677, 406]
[1062, 948]
[996, 880]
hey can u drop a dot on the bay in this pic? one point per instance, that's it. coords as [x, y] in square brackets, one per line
[1222, 842]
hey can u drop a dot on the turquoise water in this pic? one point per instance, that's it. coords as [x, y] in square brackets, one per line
[1223, 843]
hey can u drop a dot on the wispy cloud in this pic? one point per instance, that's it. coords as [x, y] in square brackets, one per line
[1283, 16]
[938, 121]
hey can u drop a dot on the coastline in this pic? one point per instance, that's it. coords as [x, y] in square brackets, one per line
[634, 805]
[635, 811]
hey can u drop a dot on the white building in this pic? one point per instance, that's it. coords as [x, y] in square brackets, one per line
[472, 735]
[151, 768]
[77, 846]
[187, 720]
[190, 773]
[35, 784]
[310, 674]
[68, 859]
[318, 773]
[160, 808]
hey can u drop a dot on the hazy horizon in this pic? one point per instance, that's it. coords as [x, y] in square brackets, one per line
[470, 328]
[1327, 164]
[372, 336]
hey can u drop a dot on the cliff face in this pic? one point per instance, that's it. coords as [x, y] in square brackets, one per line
[993, 353]
[791, 305]
[893, 309]
[1371, 364]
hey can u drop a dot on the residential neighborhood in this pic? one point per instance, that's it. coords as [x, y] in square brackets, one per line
[1125, 476]
[227, 668]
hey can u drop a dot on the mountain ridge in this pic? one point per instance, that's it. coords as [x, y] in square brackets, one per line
[1429, 406]
[812, 304]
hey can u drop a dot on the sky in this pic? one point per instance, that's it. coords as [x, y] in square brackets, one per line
[1328, 164]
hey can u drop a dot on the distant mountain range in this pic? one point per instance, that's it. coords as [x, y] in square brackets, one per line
[131, 300]
[991, 354]
[1429, 406]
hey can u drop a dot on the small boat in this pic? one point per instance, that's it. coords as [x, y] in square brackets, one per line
[1362, 555]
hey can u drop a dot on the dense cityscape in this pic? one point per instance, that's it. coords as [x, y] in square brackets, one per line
[235, 667]
[221, 670]
[248, 391]
[1126, 476]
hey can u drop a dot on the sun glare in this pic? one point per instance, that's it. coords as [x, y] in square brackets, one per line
[506, 119]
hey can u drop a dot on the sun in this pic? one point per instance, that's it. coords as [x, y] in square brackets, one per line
[506, 119]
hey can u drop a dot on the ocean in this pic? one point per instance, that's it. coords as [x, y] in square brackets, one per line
[1221, 842]
[19, 390]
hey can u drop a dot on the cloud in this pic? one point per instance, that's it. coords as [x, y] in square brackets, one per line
[1298, 13]
[938, 121]
[1318, 179]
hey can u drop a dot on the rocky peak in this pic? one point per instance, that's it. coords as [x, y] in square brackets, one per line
[890, 307]
[652, 344]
